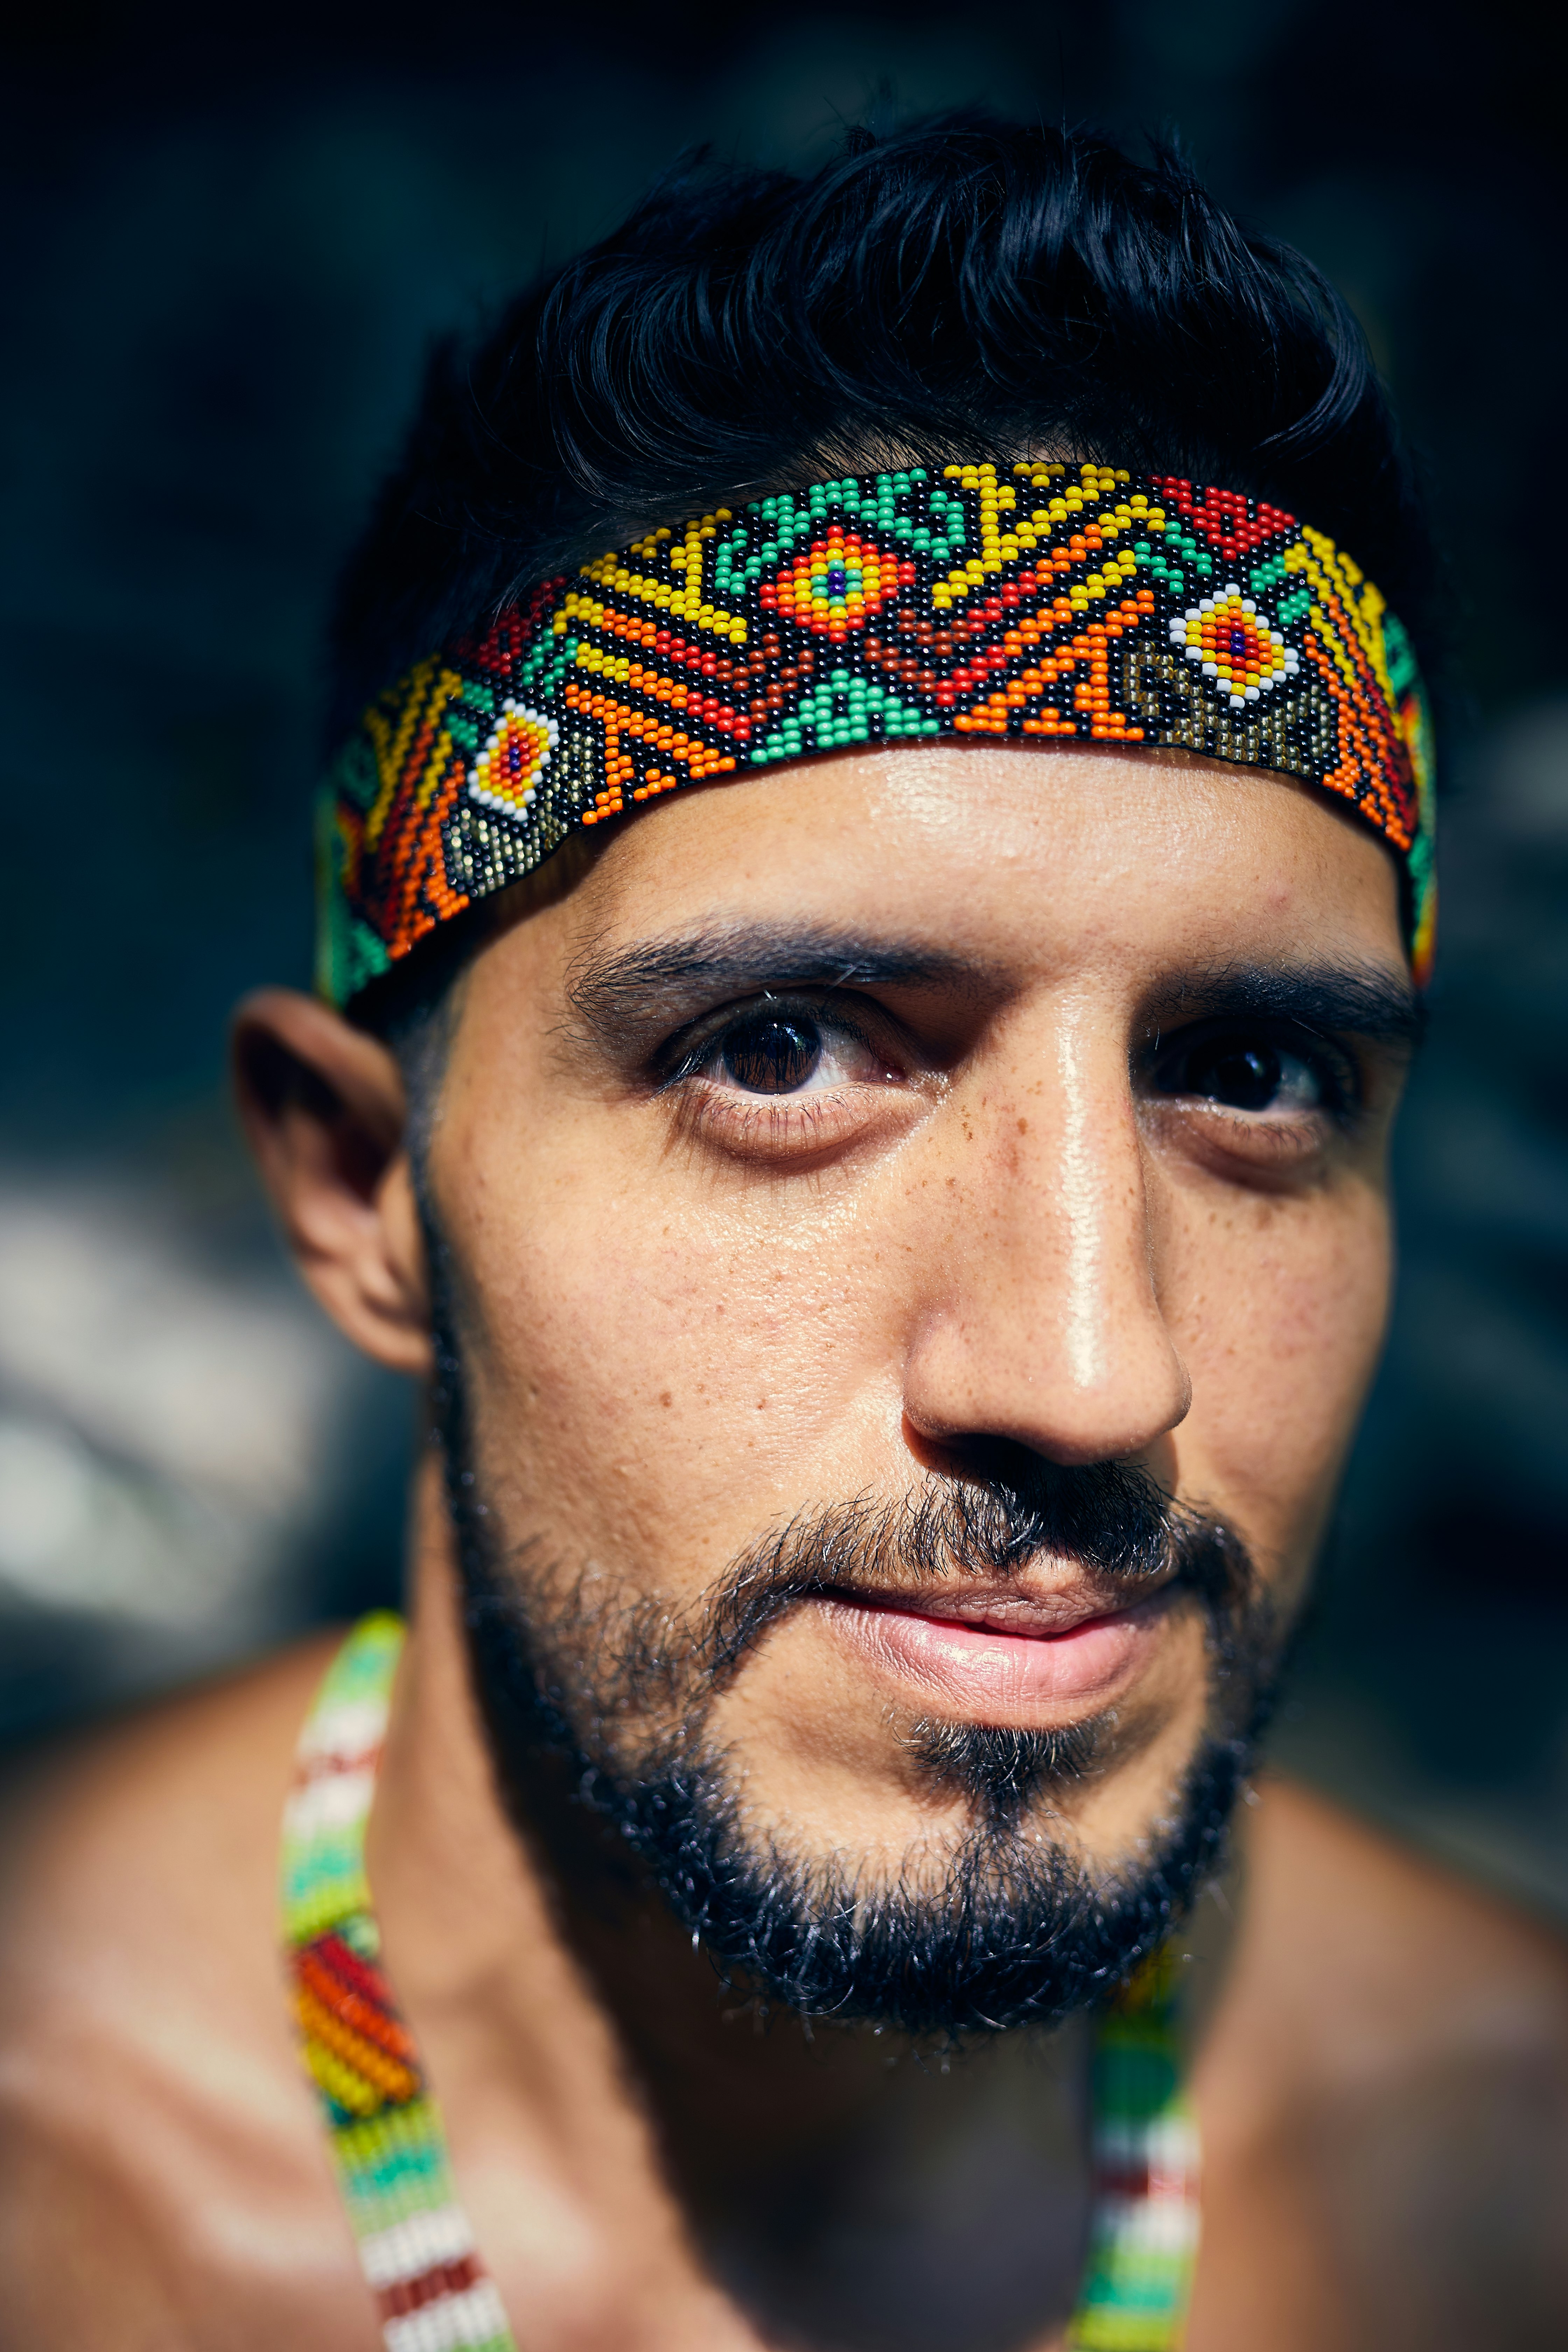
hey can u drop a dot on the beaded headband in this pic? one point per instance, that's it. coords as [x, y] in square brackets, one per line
[886, 608]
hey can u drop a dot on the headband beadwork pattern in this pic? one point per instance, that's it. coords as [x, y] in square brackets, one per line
[1034, 601]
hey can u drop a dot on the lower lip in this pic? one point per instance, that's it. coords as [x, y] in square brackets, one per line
[975, 1669]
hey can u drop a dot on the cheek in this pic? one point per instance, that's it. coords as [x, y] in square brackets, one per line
[1277, 1308]
[657, 1378]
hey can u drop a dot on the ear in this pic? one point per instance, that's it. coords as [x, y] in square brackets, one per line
[323, 1106]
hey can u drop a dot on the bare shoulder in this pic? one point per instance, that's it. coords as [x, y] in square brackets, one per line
[1385, 1957]
[158, 2149]
[1385, 2090]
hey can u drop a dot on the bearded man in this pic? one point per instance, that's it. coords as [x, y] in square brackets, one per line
[877, 886]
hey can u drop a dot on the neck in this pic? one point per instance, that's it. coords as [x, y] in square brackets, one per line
[591, 2065]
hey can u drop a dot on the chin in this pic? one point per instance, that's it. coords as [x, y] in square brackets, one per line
[990, 1922]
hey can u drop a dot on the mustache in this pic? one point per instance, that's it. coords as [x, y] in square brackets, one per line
[594, 1657]
[1111, 1519]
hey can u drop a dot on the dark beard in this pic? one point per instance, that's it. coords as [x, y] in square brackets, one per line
[616, 1702]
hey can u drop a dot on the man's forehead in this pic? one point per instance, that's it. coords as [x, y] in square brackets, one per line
[1282, 911]
[976, 868]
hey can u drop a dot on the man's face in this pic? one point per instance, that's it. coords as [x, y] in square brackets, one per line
[830, 1187]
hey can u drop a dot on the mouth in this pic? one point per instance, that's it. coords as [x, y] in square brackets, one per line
[996, 1655]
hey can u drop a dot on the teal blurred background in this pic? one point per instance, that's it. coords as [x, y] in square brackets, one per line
[229, 241]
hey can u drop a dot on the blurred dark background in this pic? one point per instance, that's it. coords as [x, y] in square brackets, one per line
[230, 238]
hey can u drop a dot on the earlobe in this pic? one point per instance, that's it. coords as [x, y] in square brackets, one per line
[322, 1108]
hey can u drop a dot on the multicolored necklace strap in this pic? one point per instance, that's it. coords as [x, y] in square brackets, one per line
[1034, 601]
[389, 2150]
[1143, 2234]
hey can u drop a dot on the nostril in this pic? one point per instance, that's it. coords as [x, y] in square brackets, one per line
[976, 1456]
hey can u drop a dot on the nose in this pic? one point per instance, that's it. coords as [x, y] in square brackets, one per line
[1039, 1317]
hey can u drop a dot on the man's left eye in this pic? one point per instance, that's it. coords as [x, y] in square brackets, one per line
[1241, 1071]
[774, 1049]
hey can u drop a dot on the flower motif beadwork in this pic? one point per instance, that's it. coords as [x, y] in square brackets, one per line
[1227, 638]
[505, 776]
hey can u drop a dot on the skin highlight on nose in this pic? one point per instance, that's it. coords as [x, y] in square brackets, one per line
[1084, 1207]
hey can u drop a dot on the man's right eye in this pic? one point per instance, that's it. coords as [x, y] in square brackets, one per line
[777, 1048]
[771, 1053]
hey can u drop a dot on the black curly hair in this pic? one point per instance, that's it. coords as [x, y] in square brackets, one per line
[965, 285]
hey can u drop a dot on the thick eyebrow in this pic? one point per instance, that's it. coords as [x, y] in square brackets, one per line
[657, 984]
[628, 997]
[1359, 1000]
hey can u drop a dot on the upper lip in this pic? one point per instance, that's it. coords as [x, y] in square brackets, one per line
[1010, 1607]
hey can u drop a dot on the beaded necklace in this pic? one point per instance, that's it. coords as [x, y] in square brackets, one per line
[431, 2289]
